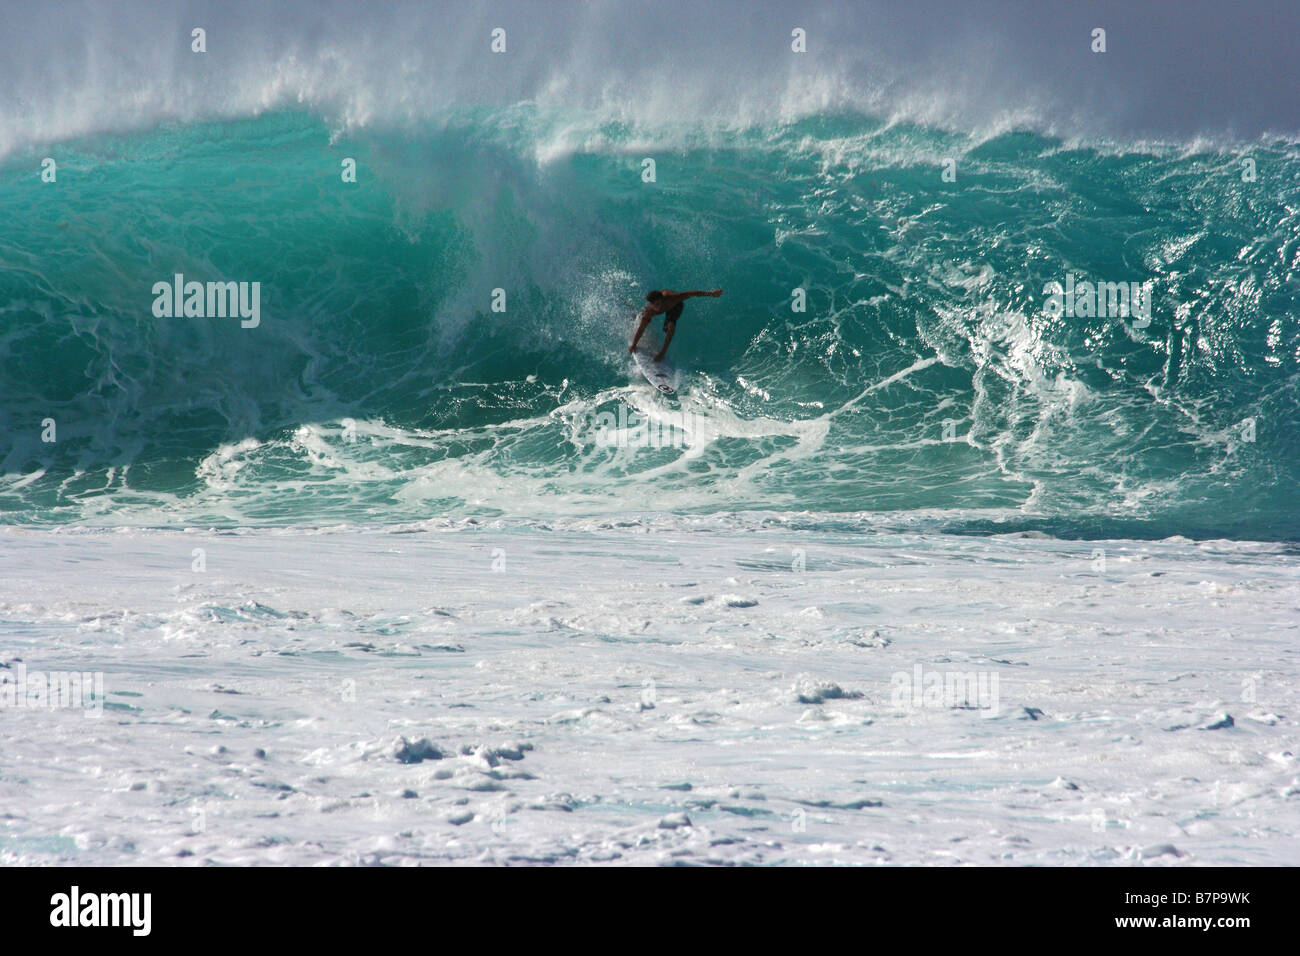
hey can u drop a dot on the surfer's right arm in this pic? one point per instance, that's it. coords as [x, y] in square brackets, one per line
[640, 329]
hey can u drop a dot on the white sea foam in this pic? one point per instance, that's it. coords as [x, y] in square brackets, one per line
[507, 692]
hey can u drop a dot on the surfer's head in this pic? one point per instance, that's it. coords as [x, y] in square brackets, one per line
[654, 295]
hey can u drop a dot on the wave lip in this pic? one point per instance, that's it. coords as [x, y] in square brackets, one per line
[132, 66]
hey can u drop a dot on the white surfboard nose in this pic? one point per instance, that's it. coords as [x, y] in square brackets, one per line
[659, 374]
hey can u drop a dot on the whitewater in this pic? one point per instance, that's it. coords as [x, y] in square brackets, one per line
[935, 558]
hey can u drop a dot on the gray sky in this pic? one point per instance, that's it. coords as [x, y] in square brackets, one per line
[1172, 70]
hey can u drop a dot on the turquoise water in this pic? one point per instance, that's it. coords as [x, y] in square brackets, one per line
[381, 386]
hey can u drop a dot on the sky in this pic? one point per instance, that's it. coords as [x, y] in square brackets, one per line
[1171, 70]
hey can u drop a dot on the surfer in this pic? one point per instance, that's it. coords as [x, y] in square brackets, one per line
[667, 303]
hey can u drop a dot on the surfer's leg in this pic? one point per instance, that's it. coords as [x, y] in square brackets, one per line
[670, 326]
[669, 329]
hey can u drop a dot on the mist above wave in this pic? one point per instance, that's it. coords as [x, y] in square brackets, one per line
[87, 67]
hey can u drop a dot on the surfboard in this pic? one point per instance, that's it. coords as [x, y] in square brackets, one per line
[661, 375]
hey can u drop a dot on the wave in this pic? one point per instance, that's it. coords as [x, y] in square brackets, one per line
[924, 376]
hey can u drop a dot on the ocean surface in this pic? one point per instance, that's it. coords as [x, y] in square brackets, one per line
[427, 497]
[924, 377]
